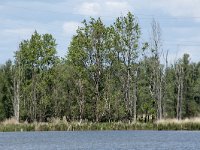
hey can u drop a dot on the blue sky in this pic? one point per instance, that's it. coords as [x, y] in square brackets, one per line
[179, 21]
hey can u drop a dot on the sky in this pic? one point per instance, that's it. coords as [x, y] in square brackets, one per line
[179, 21]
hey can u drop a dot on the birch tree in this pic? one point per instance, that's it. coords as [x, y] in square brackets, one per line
[128, 34]
[33, 61]
[157, 75]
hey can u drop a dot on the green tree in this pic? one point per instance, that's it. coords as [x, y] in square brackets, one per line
[6, 88]
[86, 53]
[127, 35]
[33, 62]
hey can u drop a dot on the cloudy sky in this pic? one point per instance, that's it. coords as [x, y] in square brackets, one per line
[179, 21]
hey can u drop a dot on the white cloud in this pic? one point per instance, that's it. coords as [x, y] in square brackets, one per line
[176, 8]
[70, 27]
[183, 8]
[91, 9]
[19, 20]
[116, 7]
[103, 8]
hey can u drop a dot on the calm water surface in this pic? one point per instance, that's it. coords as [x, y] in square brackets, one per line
[101, 140]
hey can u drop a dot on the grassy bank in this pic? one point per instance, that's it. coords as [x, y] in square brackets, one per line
[62, 125]
[174, 124]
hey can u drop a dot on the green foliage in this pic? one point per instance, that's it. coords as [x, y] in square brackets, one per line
[107, 76]
[6, 91]
[34, 60]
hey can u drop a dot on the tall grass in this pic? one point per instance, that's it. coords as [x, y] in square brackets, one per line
[174, 124]
[9, 121]
[56, 124]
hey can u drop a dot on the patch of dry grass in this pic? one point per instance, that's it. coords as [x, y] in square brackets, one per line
[57, 124]
[11, 121]
[176, 121]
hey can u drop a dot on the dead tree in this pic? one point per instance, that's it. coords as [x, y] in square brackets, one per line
[179, 85]
[157, 76]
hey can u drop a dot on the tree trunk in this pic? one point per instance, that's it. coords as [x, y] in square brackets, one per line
[128, 94]
[16, 99]
[160, 99]
[97, 102]
[81, 100]
[135, 97]
[97, 83]
[181, 98]
[179, 70]
[34, 96]
[178, 103]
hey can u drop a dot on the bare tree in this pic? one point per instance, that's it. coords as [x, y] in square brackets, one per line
[179, 84]
[157, 75]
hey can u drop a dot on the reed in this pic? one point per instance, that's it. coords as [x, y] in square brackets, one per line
[174, 124]
[56, 124]
[10, 121]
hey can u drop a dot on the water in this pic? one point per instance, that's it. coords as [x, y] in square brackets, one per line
[101, 140]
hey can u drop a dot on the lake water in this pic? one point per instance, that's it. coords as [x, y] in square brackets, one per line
[101, 140]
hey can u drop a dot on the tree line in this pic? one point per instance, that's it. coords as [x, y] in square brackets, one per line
[109, 74]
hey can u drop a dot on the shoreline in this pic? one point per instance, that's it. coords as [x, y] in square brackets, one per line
[92, 126]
